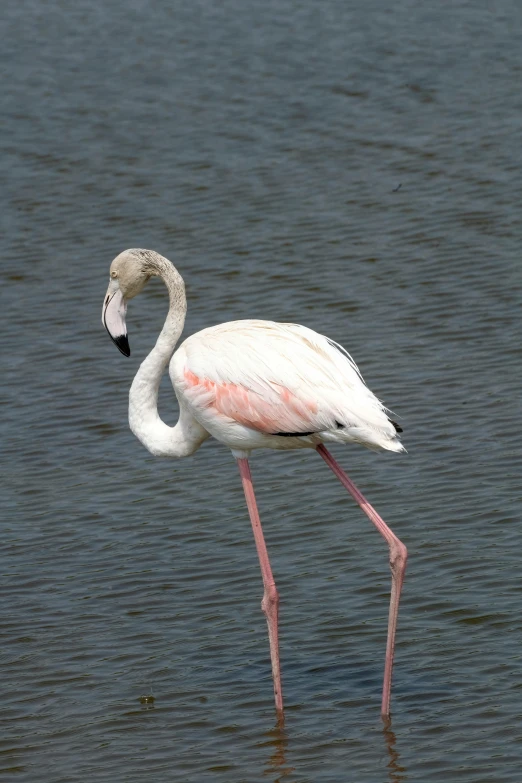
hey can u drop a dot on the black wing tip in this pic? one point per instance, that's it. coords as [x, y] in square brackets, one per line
[398, 428]
[293, 434]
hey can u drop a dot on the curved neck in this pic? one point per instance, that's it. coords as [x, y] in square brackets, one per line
[144, 418]
[160, 355]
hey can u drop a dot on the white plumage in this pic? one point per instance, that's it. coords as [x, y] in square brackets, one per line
[245, 381]
[253, 384]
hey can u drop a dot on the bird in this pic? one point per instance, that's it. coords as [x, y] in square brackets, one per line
[254, 384]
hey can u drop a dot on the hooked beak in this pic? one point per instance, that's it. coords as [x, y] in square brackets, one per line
[113, 317]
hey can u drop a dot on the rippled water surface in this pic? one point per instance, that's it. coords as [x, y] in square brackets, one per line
[352, 166]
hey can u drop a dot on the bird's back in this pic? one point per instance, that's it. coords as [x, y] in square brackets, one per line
[280, 379]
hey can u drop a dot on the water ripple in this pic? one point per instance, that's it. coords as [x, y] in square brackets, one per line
[350, 168]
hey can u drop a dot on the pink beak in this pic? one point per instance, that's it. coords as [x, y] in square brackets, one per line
[113, 317]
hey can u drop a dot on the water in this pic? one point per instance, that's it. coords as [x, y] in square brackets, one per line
[261, 147]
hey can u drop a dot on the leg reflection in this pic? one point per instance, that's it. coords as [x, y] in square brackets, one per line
[276, 743]
[396, 772]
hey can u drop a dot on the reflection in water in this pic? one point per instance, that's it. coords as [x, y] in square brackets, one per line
[277, 743]
[397, 772]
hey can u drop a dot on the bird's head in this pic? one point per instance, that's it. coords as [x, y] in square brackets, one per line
[128, 274]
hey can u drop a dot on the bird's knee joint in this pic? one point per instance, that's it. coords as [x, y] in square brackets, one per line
[398, 557]
[270, 602]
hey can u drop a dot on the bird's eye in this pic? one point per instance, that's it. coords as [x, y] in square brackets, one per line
[114, 274]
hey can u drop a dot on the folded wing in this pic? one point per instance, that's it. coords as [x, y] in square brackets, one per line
[278, 379]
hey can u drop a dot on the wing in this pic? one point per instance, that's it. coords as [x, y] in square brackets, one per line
[275, 378]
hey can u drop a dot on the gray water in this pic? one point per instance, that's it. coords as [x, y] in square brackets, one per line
[355, 167]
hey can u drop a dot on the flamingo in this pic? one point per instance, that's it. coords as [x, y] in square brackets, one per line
[253, 384]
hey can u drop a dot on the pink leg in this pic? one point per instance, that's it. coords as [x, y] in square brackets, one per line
[270, 602]
[398, 557]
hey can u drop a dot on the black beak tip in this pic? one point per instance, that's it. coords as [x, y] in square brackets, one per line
[122, 343]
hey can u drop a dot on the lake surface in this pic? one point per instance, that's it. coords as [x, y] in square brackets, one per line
[355, 167]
